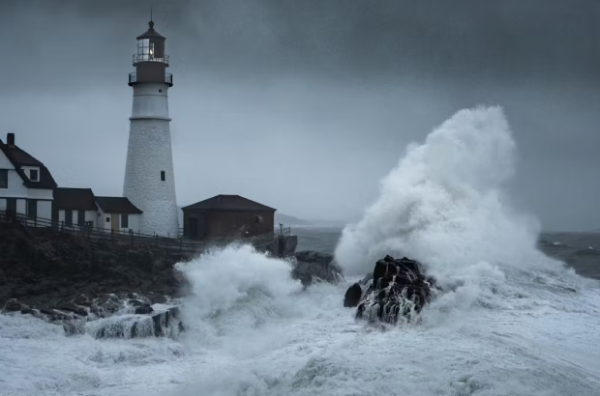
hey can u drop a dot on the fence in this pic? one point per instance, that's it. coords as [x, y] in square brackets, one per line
[93, 233]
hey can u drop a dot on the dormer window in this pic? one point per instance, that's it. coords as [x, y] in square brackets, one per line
[34, 175]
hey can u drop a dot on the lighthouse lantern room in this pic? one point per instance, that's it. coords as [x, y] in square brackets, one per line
[149, 176]
[150, 59]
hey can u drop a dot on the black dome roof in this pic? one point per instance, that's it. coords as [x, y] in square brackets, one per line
[151, 33]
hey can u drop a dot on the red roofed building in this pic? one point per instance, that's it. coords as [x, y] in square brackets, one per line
[227, 216]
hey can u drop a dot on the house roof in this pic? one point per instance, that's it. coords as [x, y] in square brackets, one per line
[229, 203]
[74, 198]
[20, 158]
[117, 205]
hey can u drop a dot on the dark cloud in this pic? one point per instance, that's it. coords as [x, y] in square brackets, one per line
[321, 94]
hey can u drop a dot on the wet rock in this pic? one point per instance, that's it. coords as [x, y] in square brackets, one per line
[399, 289]
[143, 309]
[13, 305]
[353, 295]
[82, 300]
[74, 327]
[77, 309]
[310, 266]
[165, 323]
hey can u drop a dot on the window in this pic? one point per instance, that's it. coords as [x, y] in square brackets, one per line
[145, 50]
[162, 175]
[108, 219]
[124, 220]
[68, 217]
[33, 174]
[3, 178]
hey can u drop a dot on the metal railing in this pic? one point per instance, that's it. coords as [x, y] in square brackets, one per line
[97, 234]
[133, 78]
[137, 58]
[271, 234]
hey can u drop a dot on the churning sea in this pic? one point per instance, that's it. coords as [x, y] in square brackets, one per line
[519, 314]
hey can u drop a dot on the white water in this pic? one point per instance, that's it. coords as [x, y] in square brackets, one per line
[508, 323]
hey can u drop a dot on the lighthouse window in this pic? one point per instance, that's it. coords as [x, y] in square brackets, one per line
[162, 175]
[143, 46]
[145, 50]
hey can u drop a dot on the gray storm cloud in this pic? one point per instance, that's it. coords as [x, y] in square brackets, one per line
[304, 106]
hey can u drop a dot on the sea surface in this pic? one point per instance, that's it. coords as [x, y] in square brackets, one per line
[580, 250]
[518, 314]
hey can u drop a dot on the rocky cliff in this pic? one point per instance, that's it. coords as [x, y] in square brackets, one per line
[44, 268]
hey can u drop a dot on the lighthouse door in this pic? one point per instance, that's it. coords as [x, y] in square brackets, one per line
[114, 222]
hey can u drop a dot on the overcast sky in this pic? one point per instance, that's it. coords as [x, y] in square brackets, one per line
[305, 105]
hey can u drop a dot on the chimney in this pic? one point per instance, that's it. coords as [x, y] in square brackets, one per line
[10, 139]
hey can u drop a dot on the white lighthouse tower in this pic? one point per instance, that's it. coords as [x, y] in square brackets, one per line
[149, 177]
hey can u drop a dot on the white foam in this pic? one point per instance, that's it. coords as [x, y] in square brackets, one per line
[510, 321]
[445, 205]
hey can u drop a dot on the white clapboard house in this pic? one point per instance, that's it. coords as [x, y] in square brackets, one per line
[26, 185]
[28, 188]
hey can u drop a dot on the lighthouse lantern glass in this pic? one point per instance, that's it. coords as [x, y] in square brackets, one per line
[145, 50]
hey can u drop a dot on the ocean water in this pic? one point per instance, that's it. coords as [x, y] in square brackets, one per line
[519, 313]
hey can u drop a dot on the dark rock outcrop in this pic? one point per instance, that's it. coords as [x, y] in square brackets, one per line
[163, 323]
[353, 295]
[310, 266]
[398, 289]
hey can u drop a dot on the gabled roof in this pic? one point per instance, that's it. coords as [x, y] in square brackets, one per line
[117, 205]
[74, 198]
[20, 158]
[229, 202]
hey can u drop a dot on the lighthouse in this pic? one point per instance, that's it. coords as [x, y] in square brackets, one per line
[149, 177]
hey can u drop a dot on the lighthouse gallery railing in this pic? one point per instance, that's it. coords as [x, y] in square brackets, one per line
[133, 78]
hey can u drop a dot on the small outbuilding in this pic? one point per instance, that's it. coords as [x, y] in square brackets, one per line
[118, 214]
[75, 206]
[227, 216]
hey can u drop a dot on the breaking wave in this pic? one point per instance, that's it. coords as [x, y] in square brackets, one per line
[510, 320]
[445, 205]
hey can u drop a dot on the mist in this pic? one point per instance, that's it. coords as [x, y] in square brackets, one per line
[305, 106]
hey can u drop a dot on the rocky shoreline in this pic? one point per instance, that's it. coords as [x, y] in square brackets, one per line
[108, 316]
[133, 291]
[110, 289]
[135, 315]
